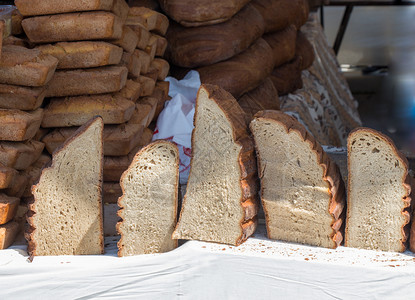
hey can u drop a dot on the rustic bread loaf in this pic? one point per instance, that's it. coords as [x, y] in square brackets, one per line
[118, 139]
[151, 47]
[206, 45]
[8, 233]
[15, 41]
[144, 58]
[148, 206]
[6, 176]
[301, 189]
[161, 45]
[283, 44]
[305, 50]
[162, 66]
[18, 186]
[128, 40]
[17, 19]
[17, 125]
[8, 208]
[220, 203]
[87, 81]
[152, 20]
[27, 67]
[132, 63]
[75, 111]
[265, 96]
[242, 72]
[131, 91]
[73, 27]
[287, 77]
[145, 111]
[200, 13]
[33, 173]
[65, 203]
[142, 33]
[378, 206]
[21, 97]
[148, 84]
[74, 55]
[20, 155]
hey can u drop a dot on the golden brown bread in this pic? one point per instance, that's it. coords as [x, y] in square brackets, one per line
[20, 155]
[8, 233]
[73, 27]
[131, 91]
[17, 125]
[48, 7]
[132, 63]
[8, 208]
[142, 33]
[148, 84]
[152, 20]
[76, 111]
[17, 186]
[20, 97]
[161, 45]
[128, 40]
[6, 176]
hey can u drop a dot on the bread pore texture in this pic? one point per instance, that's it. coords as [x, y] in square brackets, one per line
[149, 201]
[301, 188]
[220, 203]
[378, 193]
[65, 217]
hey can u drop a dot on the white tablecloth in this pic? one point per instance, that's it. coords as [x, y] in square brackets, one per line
[258, 269]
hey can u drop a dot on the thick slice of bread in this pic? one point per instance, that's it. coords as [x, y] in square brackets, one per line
[27, 67]
[149, 202]
[75, 111]
[301, 188]
[20, 155]
[73, 27]
[65, 217]
[20, 97]
[87, 81]
[74, 55]
[220, 203]
[8, 208]
[378, 193]
[8, 233]
[17, 125]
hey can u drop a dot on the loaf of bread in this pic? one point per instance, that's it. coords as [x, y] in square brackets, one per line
[161, 45]
[8, 208]
[148, 206]
[143, 35]
[147, 85]
[17, 125]
[20, 155]
[378, 204]
[302, 191]
[18, 186]
[287, 77]
[6, 176]
[242, 72]
[17, 19]
[75, 111]
[131, 91]
[128, 40]
[145, 111]
[206, 45]
[132, 63]
[27, 67]
[220, 203]
[283, 44]
[21, 97]
[65, 202]
[87, 81]
[305, 50]
[118, 139]
[202, 12]
[73, 27]
[278, 14]
[51, 7]
[151, 47]
[74, 55]
[144, 58]
[264, 97]
[33, 173]
[8, 233]
[15, 41]
[152, 20]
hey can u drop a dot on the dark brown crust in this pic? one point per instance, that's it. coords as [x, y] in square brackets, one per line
[331, 173]
[282, 43]
[248, 182]
[406, 182]
[305, 50]
[30, 228]
[136, 157]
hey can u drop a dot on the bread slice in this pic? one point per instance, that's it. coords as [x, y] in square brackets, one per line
[379, 191]
[74, 55]
[8, 233]
[20, 97]
[20, 155]
[27, 67]
[8, 208]
[65, 217]
[17, 125]
[301, 188]
[87, 81]
[73, 27]
[149, 202]
[220, 203]
[75, 111]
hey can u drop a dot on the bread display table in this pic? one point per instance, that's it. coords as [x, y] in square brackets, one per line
[258, 269]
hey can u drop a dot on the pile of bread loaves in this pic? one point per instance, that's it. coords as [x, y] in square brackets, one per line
[302, 191]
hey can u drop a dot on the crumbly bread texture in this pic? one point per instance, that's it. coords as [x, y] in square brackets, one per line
[301, 188]
[17, 125]
[149, 202]
[220, 204]
[20, 155]
[74, 55]
[65, 217]
[8, 208]
[87, 81]
[378, 211]
[21, 97]
[27, 67]
[75, 111]
[73, 27]
[8, 233]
